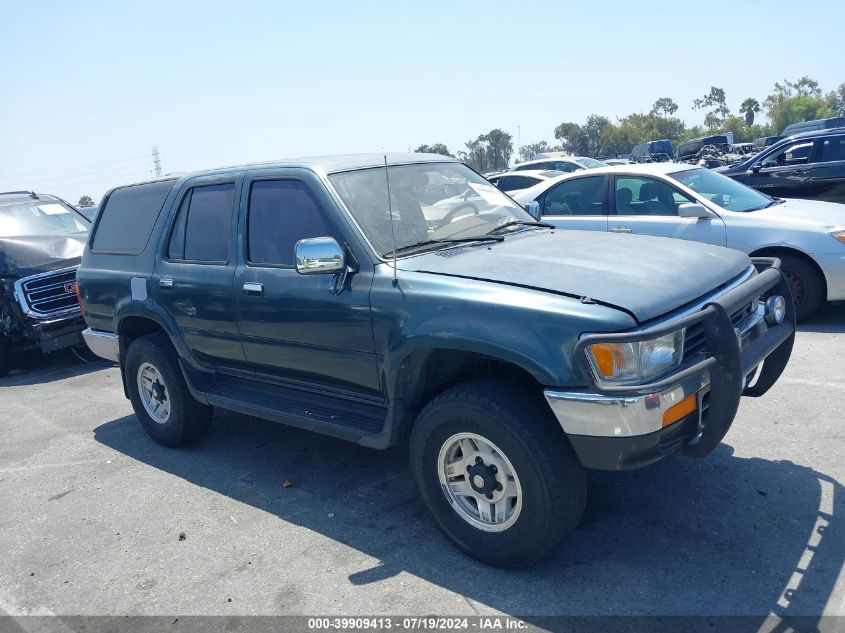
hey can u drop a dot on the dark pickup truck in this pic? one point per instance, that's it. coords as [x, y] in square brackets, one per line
[41, 242]
[333, 294]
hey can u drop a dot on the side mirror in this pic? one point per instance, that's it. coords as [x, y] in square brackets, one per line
[694, 210]
[318, 256]
[533, 208]
[755, 169]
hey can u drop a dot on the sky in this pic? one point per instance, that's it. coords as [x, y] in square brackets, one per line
[87, 88]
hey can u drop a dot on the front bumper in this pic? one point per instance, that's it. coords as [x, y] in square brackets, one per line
[613, 427]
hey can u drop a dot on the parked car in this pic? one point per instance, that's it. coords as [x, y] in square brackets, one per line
[815, 124]
[41, 241]
[763, 142]
[690, 150]
[693, 203]
[512, 182]
[809, 165]
[90, 213]
[509, 356]
[653, 151]
[565, 164]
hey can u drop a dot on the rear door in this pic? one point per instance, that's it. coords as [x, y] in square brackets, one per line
[294, 328]
[194, 275]
[827, 169]
[577, 203]
[649, 206]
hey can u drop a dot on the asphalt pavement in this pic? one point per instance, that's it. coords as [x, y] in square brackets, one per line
[96, 518]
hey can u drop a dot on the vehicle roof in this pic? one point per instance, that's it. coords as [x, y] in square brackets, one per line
[319, 164]
[566, 157]
[8, 198]
[537, 173]
[815, 133]
[644, 169]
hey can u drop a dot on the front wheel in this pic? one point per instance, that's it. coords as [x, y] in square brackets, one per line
[805, 285]
[496, 472]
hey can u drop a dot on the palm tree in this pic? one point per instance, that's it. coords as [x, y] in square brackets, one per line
[749, 107]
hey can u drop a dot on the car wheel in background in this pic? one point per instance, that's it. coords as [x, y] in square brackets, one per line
[161, 399]
[496, 472]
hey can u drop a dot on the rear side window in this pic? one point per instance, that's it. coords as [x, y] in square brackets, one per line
[202, 229]
[128, 216]
[832, 149]
[578, 196]
[282, 212]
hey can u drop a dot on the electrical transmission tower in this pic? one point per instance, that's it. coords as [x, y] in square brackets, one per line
[156, 161]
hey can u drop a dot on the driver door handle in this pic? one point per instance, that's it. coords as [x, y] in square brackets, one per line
[253, 289]
[620, 229]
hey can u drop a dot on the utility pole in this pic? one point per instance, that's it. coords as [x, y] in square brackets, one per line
[156, 161]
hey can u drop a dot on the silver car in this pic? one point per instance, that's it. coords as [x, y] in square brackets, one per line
[692, 203]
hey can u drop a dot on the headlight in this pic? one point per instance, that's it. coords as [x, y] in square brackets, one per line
[636, 362]
[838, 235]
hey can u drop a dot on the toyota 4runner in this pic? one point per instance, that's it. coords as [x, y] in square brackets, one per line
[332, 294]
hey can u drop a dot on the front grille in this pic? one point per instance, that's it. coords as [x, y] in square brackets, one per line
[48, 294]
[694, 341]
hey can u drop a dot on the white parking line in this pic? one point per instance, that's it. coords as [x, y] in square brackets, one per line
[814, 383]
[45, 621]
[81, 462]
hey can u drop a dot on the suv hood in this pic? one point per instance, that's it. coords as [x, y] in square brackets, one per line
[29, 255]
[643, 275]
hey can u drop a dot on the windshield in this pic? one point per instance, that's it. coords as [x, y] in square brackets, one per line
[40, 218]
[723, 191]
[589, 163]
[430, 201]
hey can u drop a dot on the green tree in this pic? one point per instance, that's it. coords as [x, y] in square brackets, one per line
[717, 110]
[835, 100]
[793, 102]
[528, 152]
[664, 106]
[436, 148]
[568, 134]
[589, 140]
[491, 151]
[749, 108]
[85, 201]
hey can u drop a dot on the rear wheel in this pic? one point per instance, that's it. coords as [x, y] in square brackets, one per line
[805, 284]
[161, 399]
[496, 472]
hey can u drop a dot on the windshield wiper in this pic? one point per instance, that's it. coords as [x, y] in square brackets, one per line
[446, 241]
[521, 223]
[774, 202]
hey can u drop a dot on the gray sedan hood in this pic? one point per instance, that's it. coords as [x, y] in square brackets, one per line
[645, 276]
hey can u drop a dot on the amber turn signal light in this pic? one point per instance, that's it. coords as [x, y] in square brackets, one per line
[680, 410]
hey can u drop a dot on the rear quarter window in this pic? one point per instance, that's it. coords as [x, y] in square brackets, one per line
[128, 216]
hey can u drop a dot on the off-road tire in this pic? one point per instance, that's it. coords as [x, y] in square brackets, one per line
[520, 423]
[811, 291]
[188, 418]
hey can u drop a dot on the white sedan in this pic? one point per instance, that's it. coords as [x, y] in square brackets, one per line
[516, 181]
[692, 203]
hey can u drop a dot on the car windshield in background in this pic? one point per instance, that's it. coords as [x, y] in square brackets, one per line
[40, 218]
[723, 191]
[590, 163]
[430, 202]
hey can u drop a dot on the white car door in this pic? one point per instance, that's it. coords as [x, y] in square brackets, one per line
[576, 203]
[649, 206]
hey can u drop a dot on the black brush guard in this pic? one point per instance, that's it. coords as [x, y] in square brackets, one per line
[727, 364]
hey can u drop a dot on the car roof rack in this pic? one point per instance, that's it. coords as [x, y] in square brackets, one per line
[31, 194]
